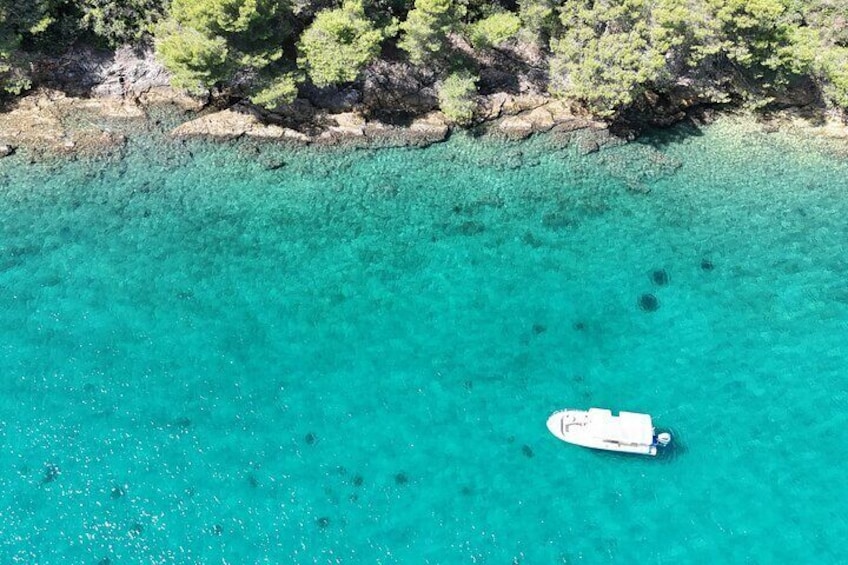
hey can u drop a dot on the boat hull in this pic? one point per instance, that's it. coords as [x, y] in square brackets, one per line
[573, 426]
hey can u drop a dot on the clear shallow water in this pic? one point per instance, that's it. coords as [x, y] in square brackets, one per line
[351, 358]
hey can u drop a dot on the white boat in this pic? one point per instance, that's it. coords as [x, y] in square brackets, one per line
[629, 432]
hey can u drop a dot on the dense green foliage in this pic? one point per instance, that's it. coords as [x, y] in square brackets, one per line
[607, 65]
[207, 42]
[603, 53]
[494, 29]
[456, 97]
[746, 46]
[338, 44]
[538, 19]
[275, 91]
[119, 22]
[19, 20]
[426, 29]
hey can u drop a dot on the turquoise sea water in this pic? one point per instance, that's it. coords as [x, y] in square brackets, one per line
[351, 358]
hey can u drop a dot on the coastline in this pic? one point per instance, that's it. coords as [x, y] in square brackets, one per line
[91, 111]
[49, 122]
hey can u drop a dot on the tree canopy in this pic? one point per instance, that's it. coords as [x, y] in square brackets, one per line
[426, 28]
[338, 44]
[603, 53]
[494, 29]
[456, 97]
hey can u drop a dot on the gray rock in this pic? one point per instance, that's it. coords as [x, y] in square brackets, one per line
[131, 73]
[86, 71]
[333, 99]
[587, 145]
[515, 127]
[391, 86]
[6, 150]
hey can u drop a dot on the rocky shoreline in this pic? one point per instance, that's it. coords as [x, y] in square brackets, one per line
[51, 122]
[89, 104]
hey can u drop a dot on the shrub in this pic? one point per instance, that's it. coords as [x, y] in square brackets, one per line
[276, 92]
[119, 22]
[607, 66]
[456, 97]
[196, 60]
[426, 29]
[494, 30]
[206, 42]
[338, 44]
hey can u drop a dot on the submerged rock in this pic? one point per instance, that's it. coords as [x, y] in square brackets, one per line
[51, 473]
[659, 277]
[118, 491]
[649, 303]
[470, 228]
[429, 128]
[515, 127]
[232, 123]
[587, 146]
[707, 265]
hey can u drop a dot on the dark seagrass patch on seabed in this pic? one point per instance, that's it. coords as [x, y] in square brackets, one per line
[469, 228]
[648, 303]
[659, 277]
[118, 491]
[51, 473]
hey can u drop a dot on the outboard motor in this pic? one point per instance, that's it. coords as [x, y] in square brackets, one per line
[664, 439]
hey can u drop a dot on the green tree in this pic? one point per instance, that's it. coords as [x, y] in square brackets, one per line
[456, 97]
[426, 29]
[121, 22]
[13, 76]
[538, 19]
[612, 50]
[275, 91]
[209, 42]
[19, 21]
[825, 41]
[754, 34]
[493, 30]
[834, 70]
[338, 44]
[196, 60]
